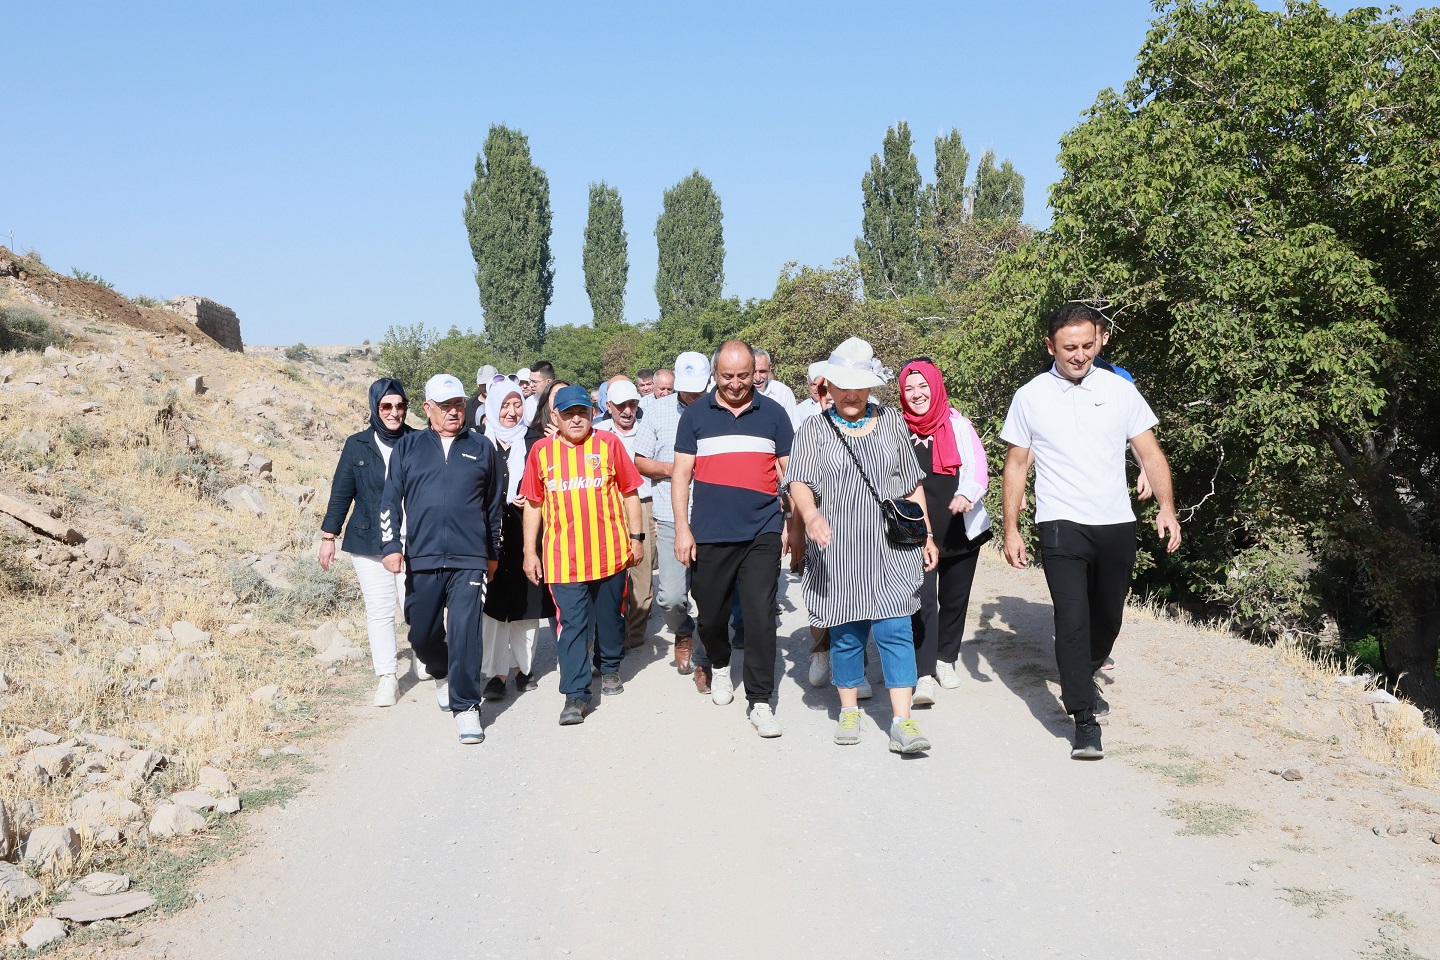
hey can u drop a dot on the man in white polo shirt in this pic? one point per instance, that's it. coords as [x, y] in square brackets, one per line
[1076, 419]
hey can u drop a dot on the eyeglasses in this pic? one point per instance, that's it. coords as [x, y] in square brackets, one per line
[388, 407]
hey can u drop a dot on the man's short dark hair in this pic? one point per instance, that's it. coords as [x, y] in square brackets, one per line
[544, 368]
[644, 374]
[1071, 313]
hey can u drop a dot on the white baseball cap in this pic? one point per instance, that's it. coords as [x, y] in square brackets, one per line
[621, 391]
[442, 387]
[692, 372]
[486, 373]
[523, 374]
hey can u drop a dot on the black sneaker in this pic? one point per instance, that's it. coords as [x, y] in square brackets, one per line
[574, 711]
[495, 689]
[610, 685]
[1087, 738]
[1102, 706]
[525, 681]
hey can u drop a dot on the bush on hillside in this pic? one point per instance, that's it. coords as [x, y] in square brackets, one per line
[22, 328]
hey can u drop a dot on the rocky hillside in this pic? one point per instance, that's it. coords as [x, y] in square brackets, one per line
[160, 500]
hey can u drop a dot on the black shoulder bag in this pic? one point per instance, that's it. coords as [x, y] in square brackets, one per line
[904, 520]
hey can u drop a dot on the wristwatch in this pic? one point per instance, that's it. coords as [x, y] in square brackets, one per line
[638, 536]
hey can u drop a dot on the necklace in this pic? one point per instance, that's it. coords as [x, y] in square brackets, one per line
[841, 421]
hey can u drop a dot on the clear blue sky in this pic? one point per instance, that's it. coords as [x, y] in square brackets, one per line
[305, 163]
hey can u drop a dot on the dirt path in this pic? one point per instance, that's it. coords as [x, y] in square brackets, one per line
[663, 827]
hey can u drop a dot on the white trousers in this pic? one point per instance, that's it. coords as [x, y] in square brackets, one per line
[383, 592]
[508, 645]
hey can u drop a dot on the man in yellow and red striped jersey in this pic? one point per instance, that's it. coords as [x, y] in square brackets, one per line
[582, 485]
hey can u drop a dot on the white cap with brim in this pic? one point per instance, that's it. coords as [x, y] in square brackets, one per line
[523, 374]
[692, 372]
[852, 366]
[486, 374]
[621, 391]
[442, 387]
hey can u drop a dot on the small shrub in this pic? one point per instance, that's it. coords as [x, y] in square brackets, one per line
[194, 471]
[299, 353]
[313, 595]
[80, 438]
[24, 329]
[32, 264]
[17, 577]
[294, 373]
[88, 277]
[141, 300]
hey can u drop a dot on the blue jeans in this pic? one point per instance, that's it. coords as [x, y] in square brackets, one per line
[588, 612]
[892, 638]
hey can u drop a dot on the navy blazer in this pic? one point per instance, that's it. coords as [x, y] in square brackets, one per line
[359, 480]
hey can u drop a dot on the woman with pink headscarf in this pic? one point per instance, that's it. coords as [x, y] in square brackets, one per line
[956, 475]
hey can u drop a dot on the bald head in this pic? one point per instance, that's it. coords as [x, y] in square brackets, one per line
[735, 373]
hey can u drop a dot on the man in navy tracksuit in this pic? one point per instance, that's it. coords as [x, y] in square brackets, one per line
[446, 481]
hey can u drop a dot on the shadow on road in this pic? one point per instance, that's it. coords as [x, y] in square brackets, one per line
[1017, 639]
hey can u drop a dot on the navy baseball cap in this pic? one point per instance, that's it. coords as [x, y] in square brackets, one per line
[567, 398]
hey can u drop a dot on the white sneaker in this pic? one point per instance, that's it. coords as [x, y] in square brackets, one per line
[863, 692]
[467, 724]
[442, 694]
[924, 695]
[945, 673]
[819, 668]
[722, 688]
[420, 672]
[387, 691]
[764, 721]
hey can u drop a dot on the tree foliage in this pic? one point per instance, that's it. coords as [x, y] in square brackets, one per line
[892, 258]
[691, 242]
[1257, 212]
[606, 260]
[948, 195]
[414, 353]
[999, 191]
[507, 215]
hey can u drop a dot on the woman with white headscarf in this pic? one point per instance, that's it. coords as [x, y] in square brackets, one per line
[513, 605]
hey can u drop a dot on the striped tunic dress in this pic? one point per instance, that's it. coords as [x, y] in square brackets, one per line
[860, 576]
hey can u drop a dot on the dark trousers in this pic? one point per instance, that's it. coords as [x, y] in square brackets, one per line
[939, 624]
[1088, 569]
[752, 569]
[429, 596]
[592, 611]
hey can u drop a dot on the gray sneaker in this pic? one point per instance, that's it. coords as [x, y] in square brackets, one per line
[610, 685]
[847, 731]
[905, 737]
[764, 722]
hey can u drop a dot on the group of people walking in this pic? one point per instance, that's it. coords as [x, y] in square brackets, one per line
[535, 499]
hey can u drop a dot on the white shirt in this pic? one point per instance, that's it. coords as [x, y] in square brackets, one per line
[804, 411]
[627, 440]
[532, 403]
[781, 394]
[1079, 434]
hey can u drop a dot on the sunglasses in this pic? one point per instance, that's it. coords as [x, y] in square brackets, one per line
[388, 407]
[918, 360]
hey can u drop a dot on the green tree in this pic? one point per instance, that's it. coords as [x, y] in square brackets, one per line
[948, 193]
[893, 260]
[507, 215]
[702, 329]
[1256, 210]
[691, 244]
[575, 351]
[413, 354]
[999, 192]
[606, 262]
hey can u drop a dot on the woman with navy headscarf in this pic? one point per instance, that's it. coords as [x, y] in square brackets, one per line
[360, 481]
[513, 605]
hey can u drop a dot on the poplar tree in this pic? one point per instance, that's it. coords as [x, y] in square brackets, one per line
[507, 215]
[892, 256]
[691, 245]
[952, 161]
[999, 192]
[606, 260]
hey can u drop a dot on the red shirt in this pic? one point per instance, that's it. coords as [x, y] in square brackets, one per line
[580, 490]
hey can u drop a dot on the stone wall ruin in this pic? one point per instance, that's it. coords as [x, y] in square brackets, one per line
[215, 320]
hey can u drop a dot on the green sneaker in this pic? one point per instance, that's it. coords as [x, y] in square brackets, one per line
[905, 737]
[847, 732]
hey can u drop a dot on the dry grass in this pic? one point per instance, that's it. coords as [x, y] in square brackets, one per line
[127, 472]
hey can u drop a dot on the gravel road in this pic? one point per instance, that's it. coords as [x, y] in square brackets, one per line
[663, 827]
